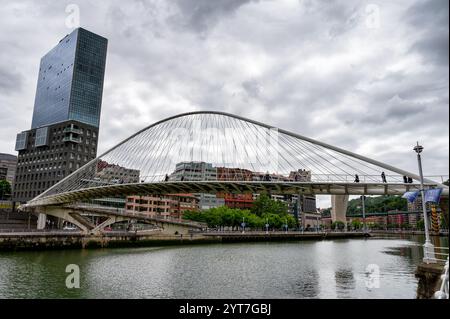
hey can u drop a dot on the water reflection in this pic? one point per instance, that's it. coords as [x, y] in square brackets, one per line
[323, 269]
[345, 282]
[307, 284]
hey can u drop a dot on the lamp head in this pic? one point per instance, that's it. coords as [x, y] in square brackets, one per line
[418, 148]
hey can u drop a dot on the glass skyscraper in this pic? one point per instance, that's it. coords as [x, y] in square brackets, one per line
[64, 131]
[70, 83]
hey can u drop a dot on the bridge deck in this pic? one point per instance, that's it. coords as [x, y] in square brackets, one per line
[307, 188]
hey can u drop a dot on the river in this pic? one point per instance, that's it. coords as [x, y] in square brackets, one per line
[353, 268]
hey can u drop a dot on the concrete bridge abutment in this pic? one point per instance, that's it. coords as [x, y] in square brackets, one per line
[339, 204]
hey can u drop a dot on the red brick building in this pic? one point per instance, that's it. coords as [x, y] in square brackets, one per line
[171, 205]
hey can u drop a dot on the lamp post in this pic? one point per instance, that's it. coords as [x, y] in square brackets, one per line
[428, 247]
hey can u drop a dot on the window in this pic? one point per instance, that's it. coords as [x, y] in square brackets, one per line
[21, 141]
[41, 136]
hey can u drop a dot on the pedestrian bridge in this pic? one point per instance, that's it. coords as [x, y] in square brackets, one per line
[214, 187]
[216, 152]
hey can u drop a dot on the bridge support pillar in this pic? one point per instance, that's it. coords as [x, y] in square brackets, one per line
[111, 220]
[65, 214]
[339, 205]
[171, 229]
[42, 219]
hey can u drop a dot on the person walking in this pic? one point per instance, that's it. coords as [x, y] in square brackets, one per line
[383, 177]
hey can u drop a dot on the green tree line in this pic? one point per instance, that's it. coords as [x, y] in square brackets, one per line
[377, 204]
[265, 210]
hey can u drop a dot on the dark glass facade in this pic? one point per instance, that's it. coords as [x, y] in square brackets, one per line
[70, 83]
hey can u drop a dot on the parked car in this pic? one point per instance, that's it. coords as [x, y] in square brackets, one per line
[70, 228]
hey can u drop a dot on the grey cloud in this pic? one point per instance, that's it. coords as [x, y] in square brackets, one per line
[252, 87]
[200, 15]
[10, 81]
[338, 16]
[430, 19]
[433, 47]
[426, 13]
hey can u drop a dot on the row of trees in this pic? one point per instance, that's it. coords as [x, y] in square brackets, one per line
[265, 210]
[355, 224]
[377, 204]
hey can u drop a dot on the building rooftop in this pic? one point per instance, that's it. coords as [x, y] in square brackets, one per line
[7, 157]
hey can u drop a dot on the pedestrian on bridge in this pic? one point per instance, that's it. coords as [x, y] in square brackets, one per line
[383, 177]
[356, 178]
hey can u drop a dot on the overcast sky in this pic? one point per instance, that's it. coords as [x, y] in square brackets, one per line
[368, 76]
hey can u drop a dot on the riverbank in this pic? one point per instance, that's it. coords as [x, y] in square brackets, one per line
[74, 240]
[408, 232]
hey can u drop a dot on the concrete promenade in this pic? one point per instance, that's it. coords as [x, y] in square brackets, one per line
[76, 240]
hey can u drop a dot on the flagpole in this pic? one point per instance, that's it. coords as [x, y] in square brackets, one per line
[428, 247]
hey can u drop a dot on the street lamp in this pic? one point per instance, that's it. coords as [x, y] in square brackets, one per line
[428, 247]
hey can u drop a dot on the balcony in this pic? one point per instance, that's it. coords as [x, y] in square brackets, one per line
[72, 130]
[71, 138]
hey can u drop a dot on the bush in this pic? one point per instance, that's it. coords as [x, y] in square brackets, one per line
[338, 224]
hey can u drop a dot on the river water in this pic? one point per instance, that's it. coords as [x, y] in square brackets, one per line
[353, 268]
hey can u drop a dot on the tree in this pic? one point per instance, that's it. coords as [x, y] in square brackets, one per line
[338, 224]
[229, 217]
[5, 189]
[356, 224]
[266, 205]
[326, 212]
[420, 225]
[405, 226]
[377, 204]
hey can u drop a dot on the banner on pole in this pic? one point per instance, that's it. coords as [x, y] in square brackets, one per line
[411, 196]
[433, 195]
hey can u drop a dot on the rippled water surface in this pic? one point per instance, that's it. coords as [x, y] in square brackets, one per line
[304, 269]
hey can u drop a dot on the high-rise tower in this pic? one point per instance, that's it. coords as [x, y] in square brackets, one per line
[66, 115]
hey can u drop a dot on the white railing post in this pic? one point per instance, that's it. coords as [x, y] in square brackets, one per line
[443, 293]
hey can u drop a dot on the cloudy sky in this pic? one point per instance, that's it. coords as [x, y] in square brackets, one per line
[368, 76]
